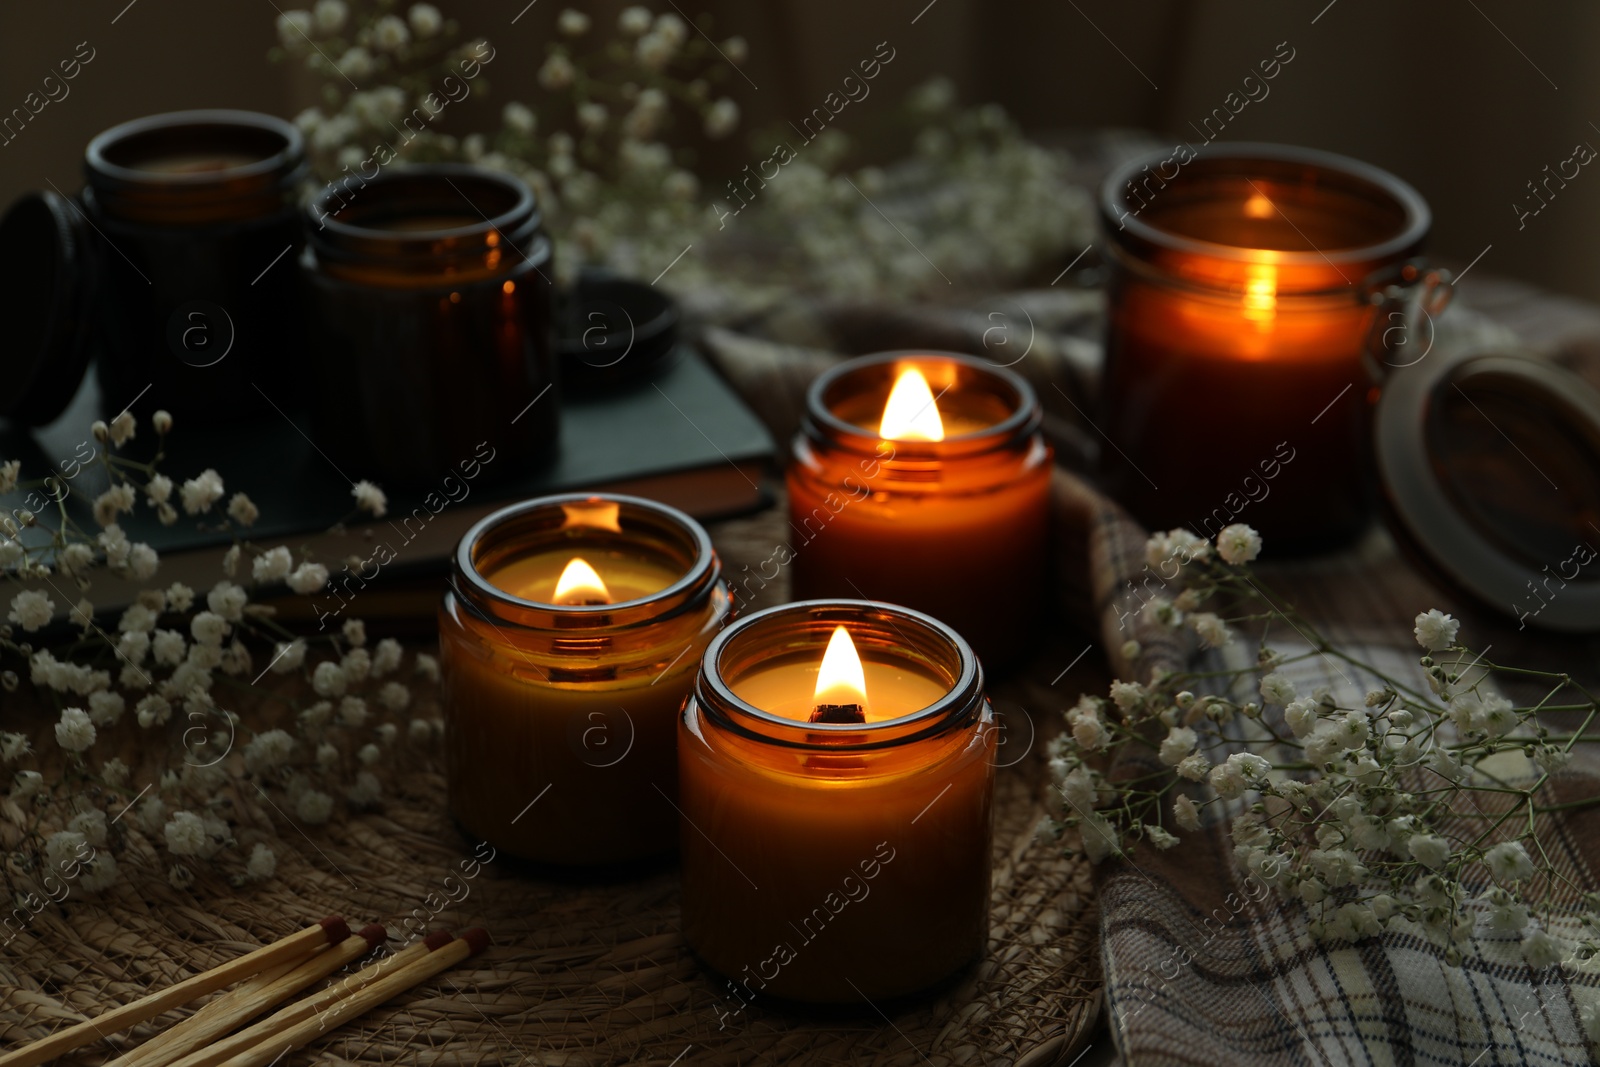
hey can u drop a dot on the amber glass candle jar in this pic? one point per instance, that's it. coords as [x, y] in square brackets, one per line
[431, 323]
[195, 228]
[837, 804]
[563, 680]
[956, 526]
[1242, 297]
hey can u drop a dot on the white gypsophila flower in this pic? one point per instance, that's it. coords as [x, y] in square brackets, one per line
[1238, 543]
[92, 825]
[1248, 765]
[313, 806]
[427, 666]
[180, 598]
[262, 864]
[356, 664]
[83, 613]
[673, 28]
[1540, 950]
[1127, 696]
[1430, 850]
[1194, 767]
[64, 848]
[330, 15]
[1090, 733]
[143, 562]
[386, 658]
[653, 51]
[227, 600]
[153, 710]
[1100, 838]
[31, 609]
[352, 712]
[115, 772]
[737, 49]
[11, 553]
[133, 646]
[722, 119]
[118, 500]
[1551, 759]
[76, 558]
[123, 429]
[356, 63]
[308, 578]
[681, 186]
[1227, 779]
[26, 784]
[1276, 689]
[366, 791]
[519, 118]
[1446, 764]
[557, 72]
[1159, 837]
[14, 746]
[592, 116]
[201, 492]
[369, 754]
[418, 732]
[168, 647]
[1509, 862]
[1210, 628]
[634, 20]
[1435, 630]
[1301, 715]
[1498, 716]
[573, 23]
[327, 755]
[294, 29]
[209, 628]
[389, 34]
[106, 707]
[1185, 813]
[288, 656]
[328, 679]
[425, 20]
[273, 565]
[158, 489]
[75, 732]
[370, 498]
[242, 510]
[317, 715]
[8, 475]
[1078, 789]
[1177, 745]
[355, 632]
[387, 732]
[185, 834]
[268, 751]
[99, 873]
[394, 696]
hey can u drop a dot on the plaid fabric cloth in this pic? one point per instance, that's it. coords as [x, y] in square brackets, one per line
[1201, 965]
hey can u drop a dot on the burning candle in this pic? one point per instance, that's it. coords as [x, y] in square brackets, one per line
[1242, 297]
[836, 777]
[922, 479]
[569, 636]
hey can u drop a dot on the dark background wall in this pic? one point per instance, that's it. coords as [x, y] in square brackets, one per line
[1468, 100]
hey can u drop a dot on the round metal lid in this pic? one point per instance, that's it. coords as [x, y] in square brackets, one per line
[1490, 468]
[45, 292]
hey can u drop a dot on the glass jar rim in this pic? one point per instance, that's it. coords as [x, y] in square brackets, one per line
[483, 596]
[963, 701]
[820, 421]
[288, 159]
[522, 208]
[1417, 218]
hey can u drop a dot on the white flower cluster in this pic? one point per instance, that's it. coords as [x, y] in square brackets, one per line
[1356, 812]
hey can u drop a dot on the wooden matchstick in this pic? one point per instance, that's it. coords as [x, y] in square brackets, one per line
[331, 930]
[420, 970]
[255, 997]
[313, 1005]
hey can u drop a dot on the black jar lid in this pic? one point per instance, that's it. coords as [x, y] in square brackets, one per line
[45, 296]
[1490, 468]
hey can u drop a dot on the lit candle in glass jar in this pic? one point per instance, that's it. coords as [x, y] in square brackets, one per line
[836, 776]
[1241, 305]
[922, 479]
[569, 636]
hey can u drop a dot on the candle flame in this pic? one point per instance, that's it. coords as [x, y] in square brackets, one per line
[579, 584]
[840, 679]
[1261, 293]
[910, 413]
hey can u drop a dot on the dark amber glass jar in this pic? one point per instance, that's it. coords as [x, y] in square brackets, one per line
[1245, 286]
[836, 861]
[956, 527]
[195, 226]
[432, 320]
[561, 717]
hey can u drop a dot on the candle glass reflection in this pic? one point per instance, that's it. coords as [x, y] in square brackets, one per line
[836, 849]
[921, 478]
[569, 637]
[1242, 302]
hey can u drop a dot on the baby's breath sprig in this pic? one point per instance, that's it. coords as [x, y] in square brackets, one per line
[1419, 804]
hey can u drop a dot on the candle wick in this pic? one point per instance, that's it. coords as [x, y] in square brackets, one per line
[838, 713]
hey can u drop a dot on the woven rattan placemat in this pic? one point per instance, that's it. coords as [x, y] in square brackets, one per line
[580, 973]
